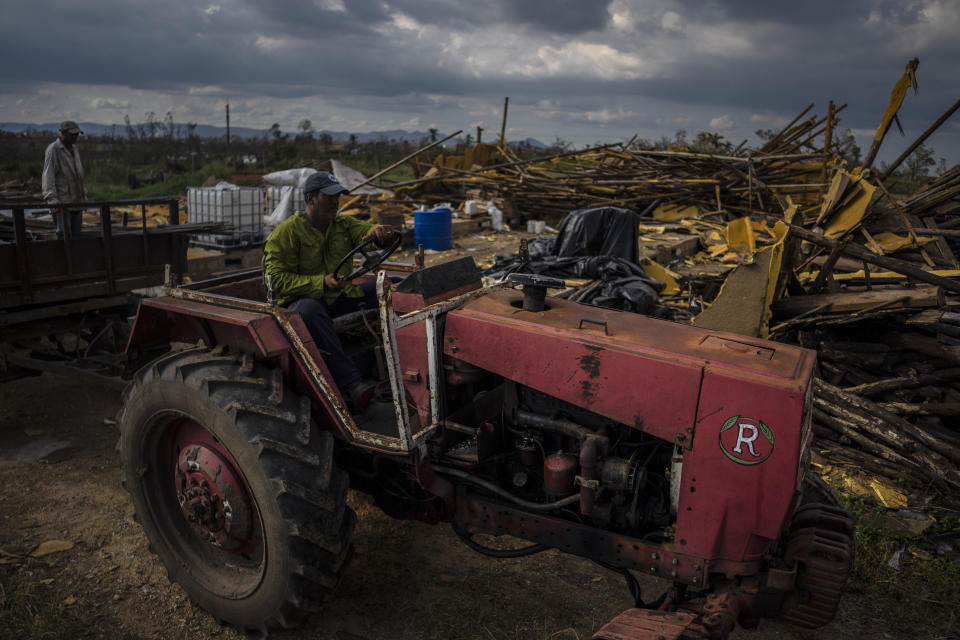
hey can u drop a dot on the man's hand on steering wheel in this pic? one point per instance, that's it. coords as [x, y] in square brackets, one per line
[384, 235]
[371, 259]
[334, 282]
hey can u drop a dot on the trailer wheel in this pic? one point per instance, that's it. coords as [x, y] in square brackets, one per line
[238, 495]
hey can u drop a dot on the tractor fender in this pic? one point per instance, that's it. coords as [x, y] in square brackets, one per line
[275, 336]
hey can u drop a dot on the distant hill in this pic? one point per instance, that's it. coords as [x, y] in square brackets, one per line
[210, 131]
[529, 142]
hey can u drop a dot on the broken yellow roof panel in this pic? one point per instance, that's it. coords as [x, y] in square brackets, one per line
[675, 212]
[739, 234]
[852, 213]
[664, 275]
[891, 242]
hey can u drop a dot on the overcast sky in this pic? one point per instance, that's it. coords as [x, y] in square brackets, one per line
[582, 70]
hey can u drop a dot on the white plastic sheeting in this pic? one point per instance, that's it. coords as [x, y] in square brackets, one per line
[285, 195]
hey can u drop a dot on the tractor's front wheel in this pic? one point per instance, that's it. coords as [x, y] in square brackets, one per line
[237, 493]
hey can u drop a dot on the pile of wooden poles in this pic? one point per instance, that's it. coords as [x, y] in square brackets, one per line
[896, 427]
[738, 182]
[725, 185]
[886, 327]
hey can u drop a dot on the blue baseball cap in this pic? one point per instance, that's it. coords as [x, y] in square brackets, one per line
[325, 182]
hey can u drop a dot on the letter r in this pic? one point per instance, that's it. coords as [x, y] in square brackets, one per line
[744, 439]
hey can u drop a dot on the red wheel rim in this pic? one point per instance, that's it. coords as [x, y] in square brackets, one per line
[213, 495]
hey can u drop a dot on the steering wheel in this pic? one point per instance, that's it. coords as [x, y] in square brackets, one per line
[371, 259]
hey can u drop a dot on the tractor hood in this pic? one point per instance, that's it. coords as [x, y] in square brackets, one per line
[613, 362]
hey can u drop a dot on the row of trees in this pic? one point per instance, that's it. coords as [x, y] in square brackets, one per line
[163, 146]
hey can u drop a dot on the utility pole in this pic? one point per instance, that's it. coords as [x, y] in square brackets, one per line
[228, 126]
[479, 131]
[503, 126]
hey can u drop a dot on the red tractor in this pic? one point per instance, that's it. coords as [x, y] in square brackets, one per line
[645, 445]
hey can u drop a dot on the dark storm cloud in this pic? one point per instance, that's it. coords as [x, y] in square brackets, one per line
[304, 19]
[810, 12]
[395, 55]
[560, 16]
[162, 45]
[819, 50]
[554, 16]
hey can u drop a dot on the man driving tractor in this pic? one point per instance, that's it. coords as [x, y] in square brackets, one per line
[300, 259]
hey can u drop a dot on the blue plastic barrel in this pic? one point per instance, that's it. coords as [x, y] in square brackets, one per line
[433, 229]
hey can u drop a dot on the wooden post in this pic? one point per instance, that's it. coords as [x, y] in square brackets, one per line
[827, 141]
[23, 260]
[146, 241]
[896, 100]
[860, 253]
[919, 141]
[503, 125]
[826, 271]
[404, 159]
[906, 223]
[106, 240]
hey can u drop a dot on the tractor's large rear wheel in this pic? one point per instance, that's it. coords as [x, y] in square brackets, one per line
[237, 493]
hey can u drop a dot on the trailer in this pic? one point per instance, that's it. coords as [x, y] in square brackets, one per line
[65, 303]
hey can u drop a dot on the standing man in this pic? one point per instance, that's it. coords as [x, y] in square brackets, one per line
[300, 256]
[63, 177]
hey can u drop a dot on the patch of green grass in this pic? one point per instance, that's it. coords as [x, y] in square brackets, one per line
[175, 185]
[926, 588]
[948, 521]
[32, 610]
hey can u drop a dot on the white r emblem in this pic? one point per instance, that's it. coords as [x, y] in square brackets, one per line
[743, 439]
[746, 446]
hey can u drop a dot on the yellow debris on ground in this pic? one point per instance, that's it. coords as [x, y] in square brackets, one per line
[664, 275]
[852, 482]
[739, 235]
[850, 214]
[51, 546]
[675, 212]
[157, 215]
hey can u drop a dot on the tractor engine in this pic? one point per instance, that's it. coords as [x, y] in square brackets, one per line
[547, 451]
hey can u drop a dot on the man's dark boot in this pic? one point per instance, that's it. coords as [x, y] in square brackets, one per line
[359, 394]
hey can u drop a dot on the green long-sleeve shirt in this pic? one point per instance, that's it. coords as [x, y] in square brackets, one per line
[297, 256]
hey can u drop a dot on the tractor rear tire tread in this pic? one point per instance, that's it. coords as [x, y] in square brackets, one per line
[307, 488]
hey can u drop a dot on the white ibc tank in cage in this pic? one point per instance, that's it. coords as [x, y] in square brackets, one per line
[275, 195]
[239, 208]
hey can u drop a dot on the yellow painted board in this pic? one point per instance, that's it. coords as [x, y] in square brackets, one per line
[850, 215]
[891, 242]
[664, 275]
[675, 212]
[896, 99]
[739, 234]
[809, 276]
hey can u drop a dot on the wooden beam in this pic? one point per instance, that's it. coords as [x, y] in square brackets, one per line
[893, 264]
[857, 301]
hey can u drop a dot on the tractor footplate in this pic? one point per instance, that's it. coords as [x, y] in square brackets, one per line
[821, 547]
[647, 624]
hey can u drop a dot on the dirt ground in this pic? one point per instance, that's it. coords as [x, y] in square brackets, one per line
[60, 480]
